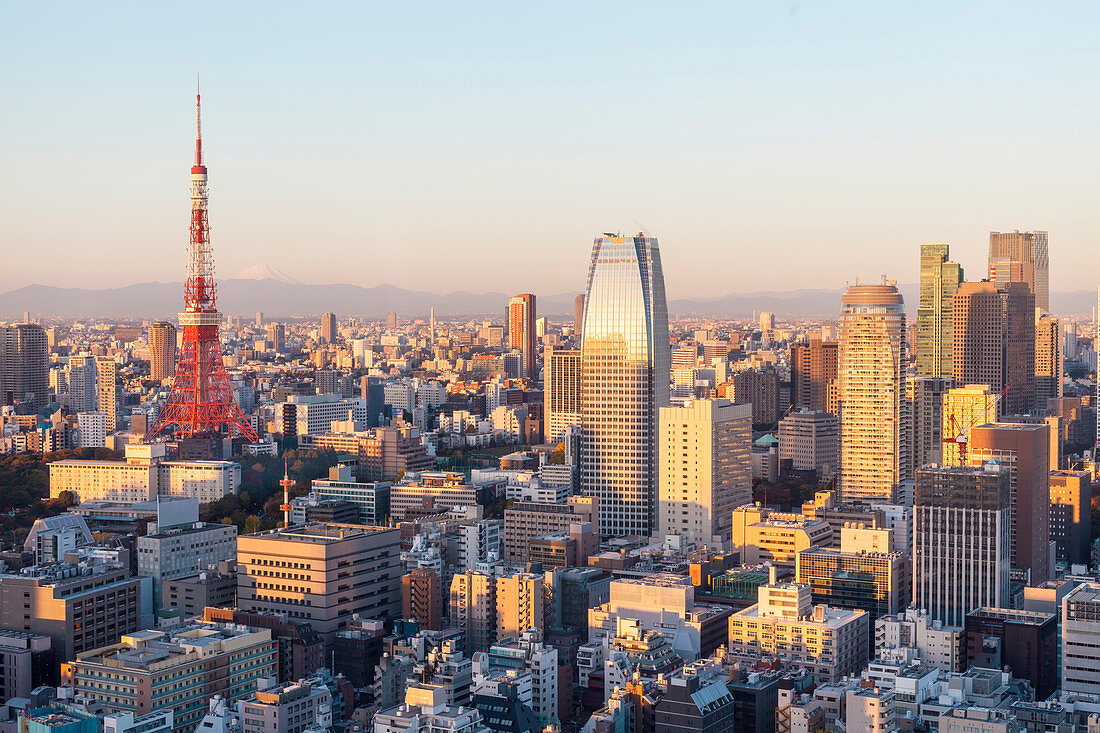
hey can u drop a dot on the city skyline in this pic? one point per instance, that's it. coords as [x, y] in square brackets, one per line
[874, 169]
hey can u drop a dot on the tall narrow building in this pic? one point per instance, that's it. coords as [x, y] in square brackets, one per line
[1022, 257]
[162, 350]
[813, 371]
[562, 391]
[961, 540]
[705, 470]
[624, 381]
[874, 454]
[106, 374]
[1048, 362]
[939, 279]
[994, 342]
[578, 315]
[521, 330]
[925, 398]
[328, 328]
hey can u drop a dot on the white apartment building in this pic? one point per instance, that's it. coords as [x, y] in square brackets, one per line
[825, 641]
[810, 439]
[705, 471]
[93, 429]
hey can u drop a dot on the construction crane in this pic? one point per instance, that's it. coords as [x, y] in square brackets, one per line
[959, 433]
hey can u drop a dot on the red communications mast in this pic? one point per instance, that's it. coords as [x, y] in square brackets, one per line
[201, 402]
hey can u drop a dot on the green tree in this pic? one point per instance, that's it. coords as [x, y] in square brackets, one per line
[252, 525]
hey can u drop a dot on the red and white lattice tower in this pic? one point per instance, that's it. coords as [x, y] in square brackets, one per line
[201, 402]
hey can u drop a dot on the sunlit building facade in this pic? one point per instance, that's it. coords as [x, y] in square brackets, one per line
[939, 279]
[874, 456]
[624, 381]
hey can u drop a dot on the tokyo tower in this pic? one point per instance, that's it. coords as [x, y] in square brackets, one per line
[201, 402]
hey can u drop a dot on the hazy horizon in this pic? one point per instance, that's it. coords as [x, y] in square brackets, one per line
[437, 147]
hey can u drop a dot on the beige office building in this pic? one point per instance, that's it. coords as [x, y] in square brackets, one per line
[526, 520]
[162, 350]
[562, 395]
[963, 408]
[874, 455]
[431, 488]
[764, 535]
[321, 574]
[705, 471]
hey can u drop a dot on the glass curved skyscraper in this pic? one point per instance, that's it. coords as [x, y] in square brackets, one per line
[624, 381]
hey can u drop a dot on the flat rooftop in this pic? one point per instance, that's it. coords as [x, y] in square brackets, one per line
[321, 533]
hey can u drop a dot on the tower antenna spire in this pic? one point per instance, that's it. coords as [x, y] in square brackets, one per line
[198, 122]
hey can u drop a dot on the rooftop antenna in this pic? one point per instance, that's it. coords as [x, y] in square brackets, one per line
[286, 483]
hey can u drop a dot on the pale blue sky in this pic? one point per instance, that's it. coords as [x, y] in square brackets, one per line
[481, 146]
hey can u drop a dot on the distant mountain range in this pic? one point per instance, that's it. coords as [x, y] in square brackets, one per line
[264, 288]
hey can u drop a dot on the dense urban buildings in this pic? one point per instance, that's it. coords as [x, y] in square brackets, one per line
[624, 381]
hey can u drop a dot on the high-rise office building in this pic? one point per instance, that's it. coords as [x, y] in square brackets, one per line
[1049, 355]
[24, 365]
[961, 540]
[939, 279]
[925, 398]
[578, 315]
[521, 330]
[624, 381]
[874, 455]
[106, 371]
[760, 388]
[1022, 257]
[813, 370]
[162, 350]
[562, 391]
[705, 470]
[328, 328]
[1024, 451]
[963, 408]
[994, 341]
[276, 334]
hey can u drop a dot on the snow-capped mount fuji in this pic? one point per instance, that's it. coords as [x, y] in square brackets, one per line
[265, 272]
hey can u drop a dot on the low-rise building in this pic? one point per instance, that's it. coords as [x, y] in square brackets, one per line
[826, 642]
[180, 551]
[153, 670]
[293, 707]
[764, 535]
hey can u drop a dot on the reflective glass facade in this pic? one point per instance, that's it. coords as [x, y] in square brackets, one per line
[624, 381]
